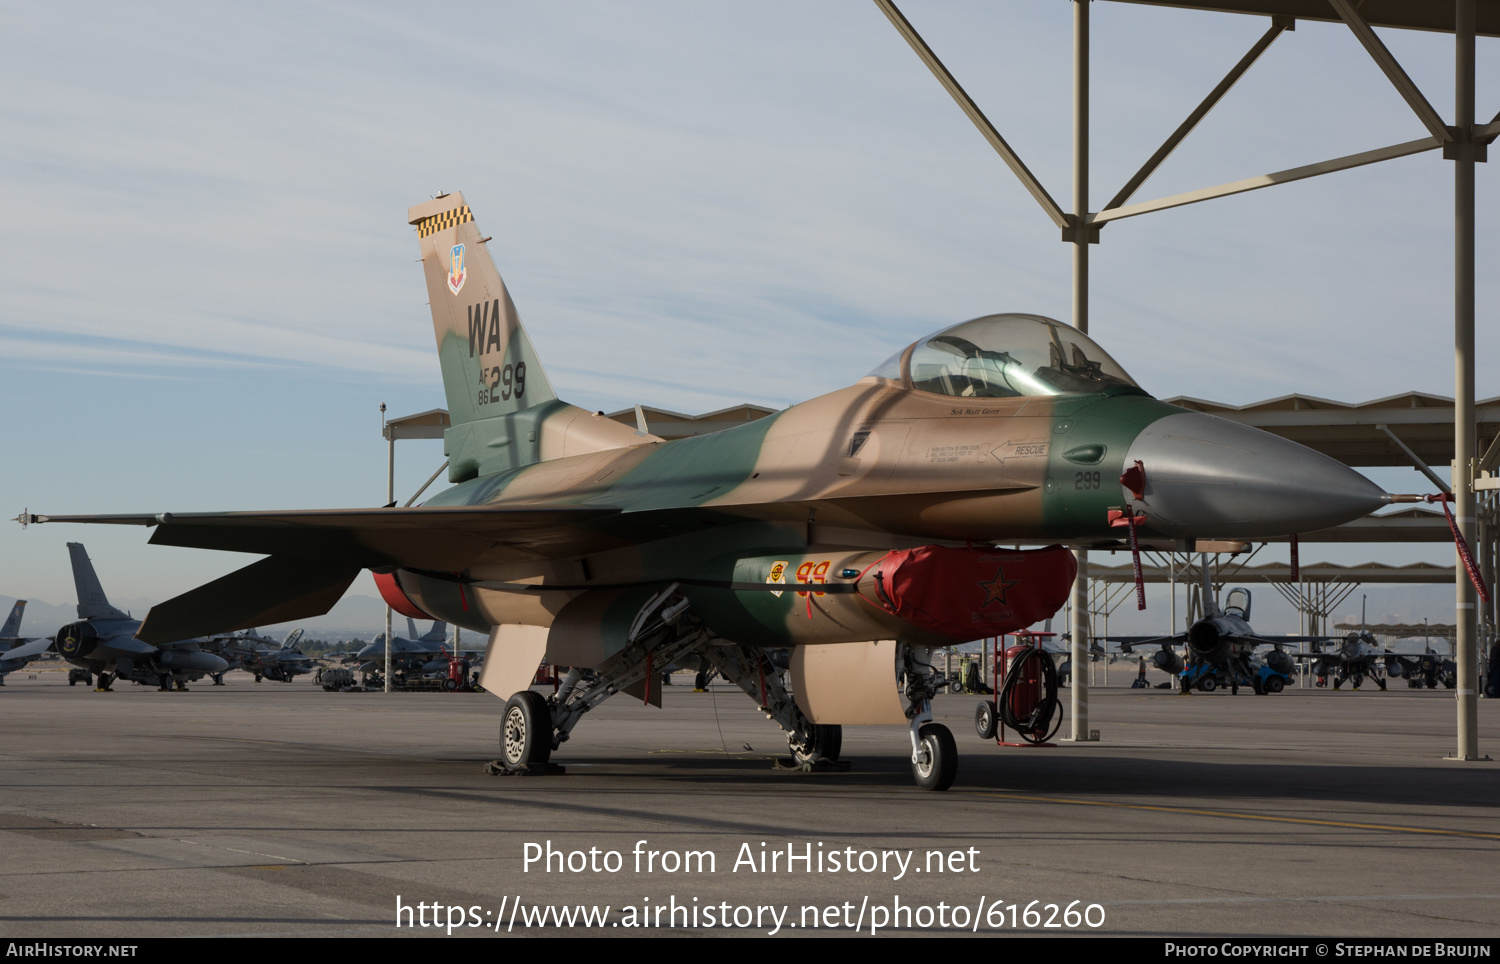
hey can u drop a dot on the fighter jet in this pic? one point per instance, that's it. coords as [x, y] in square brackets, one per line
[857, 529]
[264, 658]
[18, 651]
[1428, 669]
[1224, 641]
[104, 641]
[1358, 657]
[427, 653]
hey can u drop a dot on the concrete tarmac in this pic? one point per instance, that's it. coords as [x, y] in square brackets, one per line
[278, 809]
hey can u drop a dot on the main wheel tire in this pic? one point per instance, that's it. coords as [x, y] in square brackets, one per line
[1208, 684]
[827, 741]
[526, 733]
[1274, 684]
[984, 720]
[450, 684]
[941, 765]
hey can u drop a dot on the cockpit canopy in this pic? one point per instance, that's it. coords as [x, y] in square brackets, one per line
[1002, 356]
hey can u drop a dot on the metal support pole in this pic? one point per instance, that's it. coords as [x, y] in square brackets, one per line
[1463, 369]
[1080, 694]
[390, 498]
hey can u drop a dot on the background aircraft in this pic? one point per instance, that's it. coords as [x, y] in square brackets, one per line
[1357, 657]
[103, 642]
[853, 528]
[1428, 669]
[427, 653]
[16, 651]
[1222, 639]
[264, 658]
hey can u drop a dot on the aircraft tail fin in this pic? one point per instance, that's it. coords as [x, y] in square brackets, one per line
[411, 628]
[92, 602]
[503, 410]
[12, 627]
[437, 633]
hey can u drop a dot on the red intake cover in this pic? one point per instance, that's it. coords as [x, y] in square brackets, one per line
[973, 593]
[395, 597]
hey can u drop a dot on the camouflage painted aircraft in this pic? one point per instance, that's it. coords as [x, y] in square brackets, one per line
[103, 642]
[856, 529]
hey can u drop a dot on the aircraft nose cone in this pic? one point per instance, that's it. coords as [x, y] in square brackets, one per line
[1208, 477]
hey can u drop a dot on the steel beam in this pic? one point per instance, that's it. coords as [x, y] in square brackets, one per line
[1488, 132]
[967, 105]
[390, 500]
[1267, 180]
[1279, 574]
[1278, 24]
[1416, 462]
[1392, 70]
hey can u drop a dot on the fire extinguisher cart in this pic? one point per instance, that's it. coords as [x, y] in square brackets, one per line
[1025, 704]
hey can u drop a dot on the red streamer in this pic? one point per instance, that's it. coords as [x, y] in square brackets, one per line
[1461, 545]
[1135, 559]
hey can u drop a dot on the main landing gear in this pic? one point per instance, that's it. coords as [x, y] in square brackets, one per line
[665, 632]
[526, 734]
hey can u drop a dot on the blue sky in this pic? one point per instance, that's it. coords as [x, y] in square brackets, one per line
[209, 286]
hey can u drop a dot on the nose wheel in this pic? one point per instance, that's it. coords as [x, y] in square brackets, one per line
[934, 762]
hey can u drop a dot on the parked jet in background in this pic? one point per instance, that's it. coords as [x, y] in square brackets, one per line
[427, 653]
[262, 657]
[1358, 657]
[1428, 669]
[16, 651]
[103, 642]
[1222, 639]
[832, 528]
[10, 632]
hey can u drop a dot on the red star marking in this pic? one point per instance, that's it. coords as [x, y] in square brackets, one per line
[996, 589]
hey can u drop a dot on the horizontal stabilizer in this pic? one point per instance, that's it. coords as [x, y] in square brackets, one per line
[272, 590]
[444, 538]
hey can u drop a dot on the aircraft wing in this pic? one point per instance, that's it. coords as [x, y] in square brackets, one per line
[444, 538]
[313, 555]
[1128, 643]
[29, 650]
